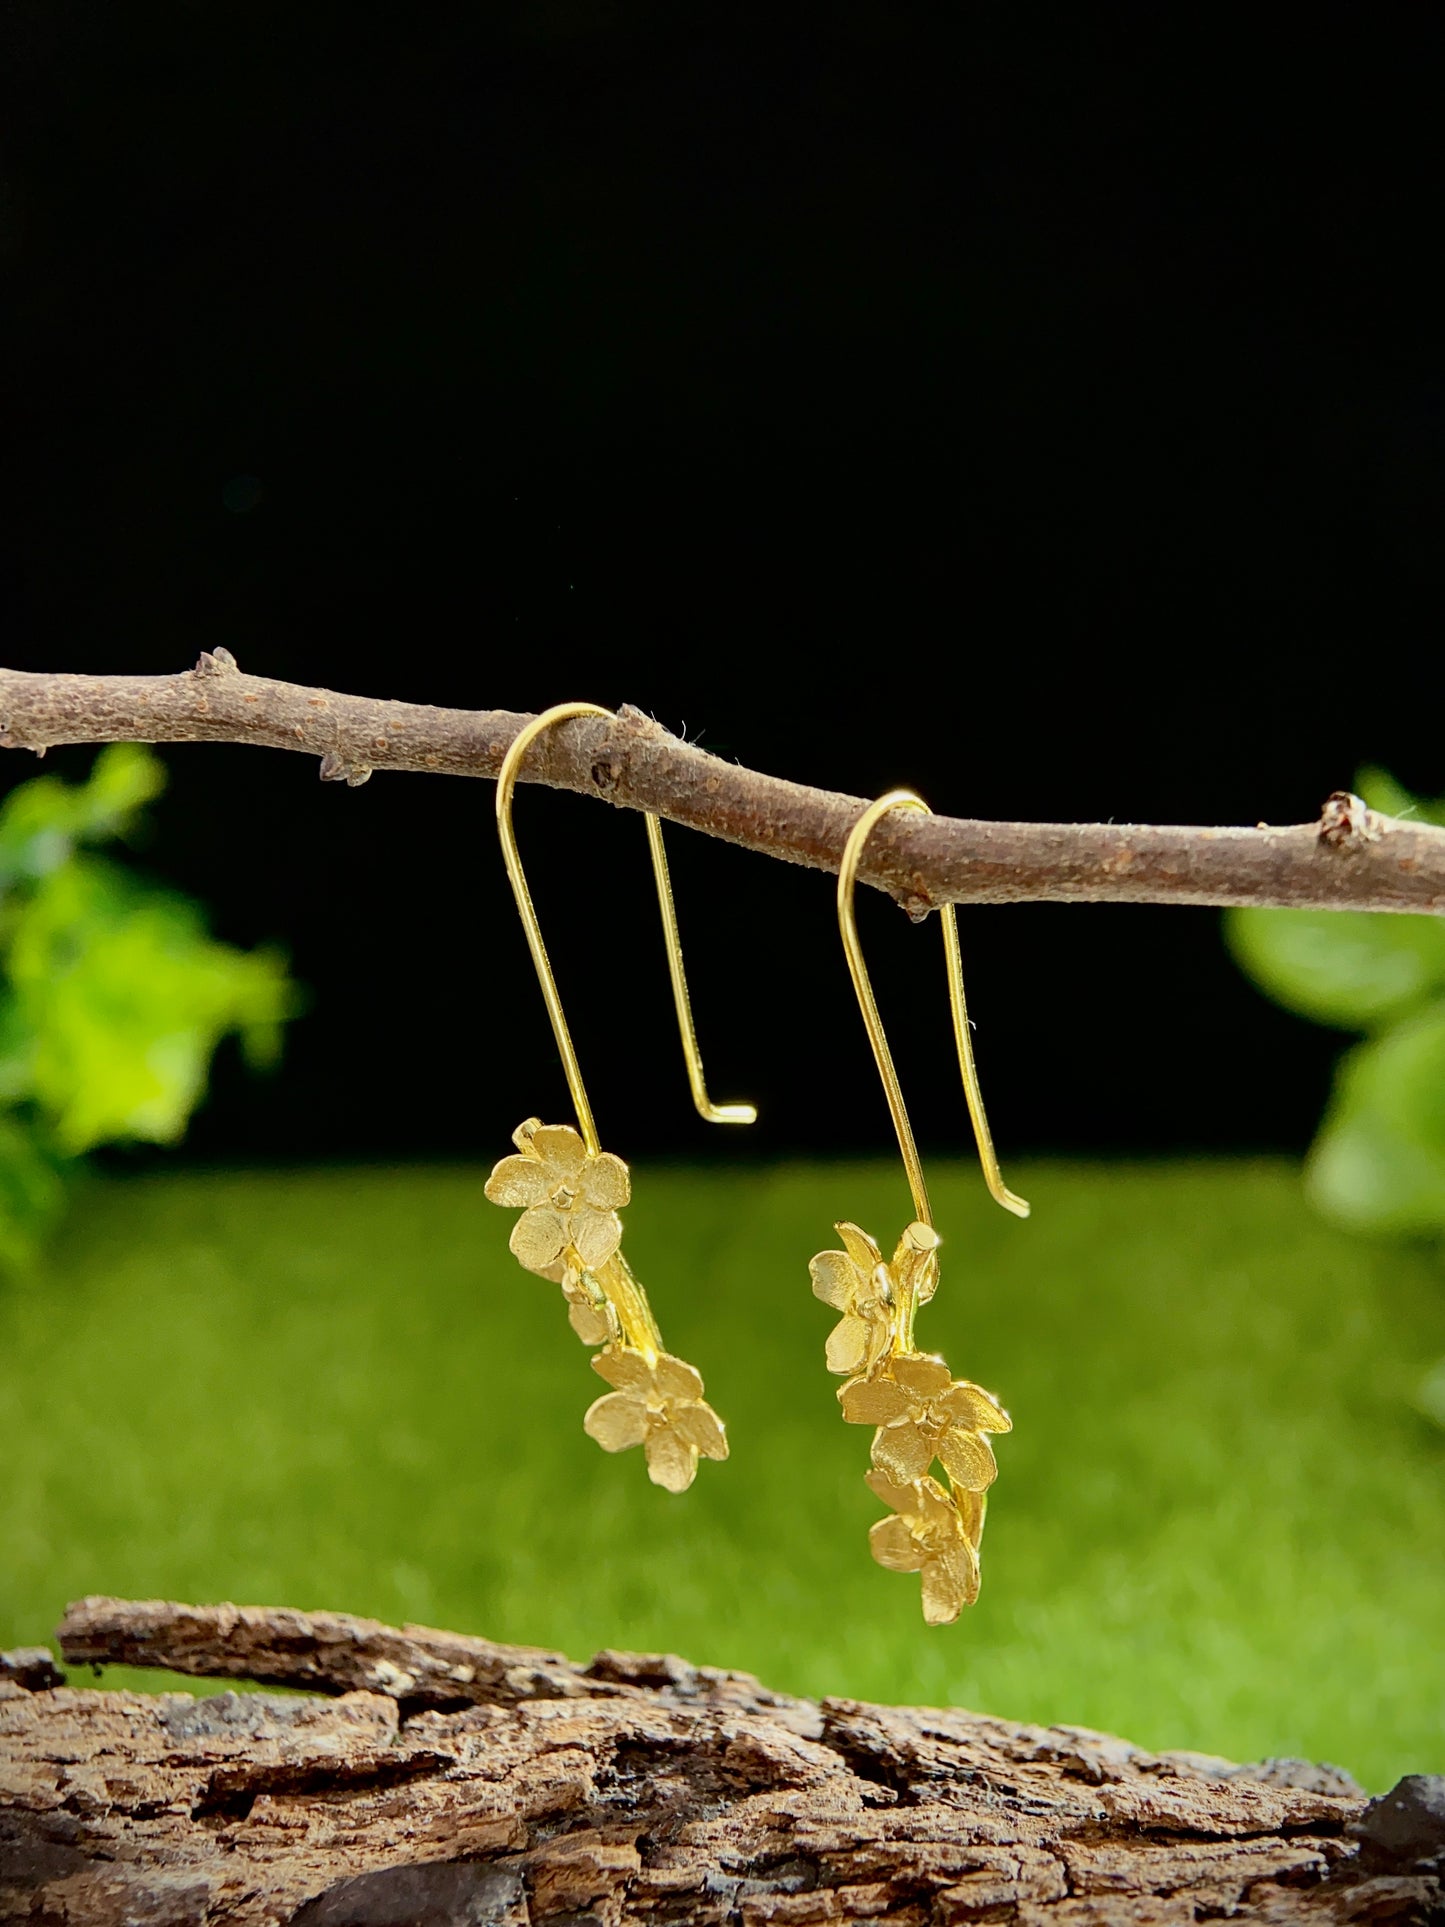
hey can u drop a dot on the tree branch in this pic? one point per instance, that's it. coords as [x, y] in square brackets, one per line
[1351, 858]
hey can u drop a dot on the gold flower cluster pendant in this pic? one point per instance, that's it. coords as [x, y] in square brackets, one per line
[923, 1415]
[569, 1231]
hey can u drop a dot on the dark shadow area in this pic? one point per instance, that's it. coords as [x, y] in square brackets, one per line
[1045, 414]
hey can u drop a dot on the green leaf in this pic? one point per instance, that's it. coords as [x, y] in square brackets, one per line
[43, 821]
[17, 1051]
[1379, 1160]
[32, 1191]
[1380, 790]
[113, 996]
[124, 997]
[1350, 968]
[1430, 1398]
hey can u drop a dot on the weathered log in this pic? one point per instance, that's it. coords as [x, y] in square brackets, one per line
[431, 1777]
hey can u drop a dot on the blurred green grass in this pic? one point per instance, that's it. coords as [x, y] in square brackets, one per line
[1219, 1524]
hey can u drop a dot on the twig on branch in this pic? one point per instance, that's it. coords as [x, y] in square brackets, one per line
[451, 1779]
[1351, 858]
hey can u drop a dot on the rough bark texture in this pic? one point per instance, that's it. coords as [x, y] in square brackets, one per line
[449, 1779]
[1349, 858]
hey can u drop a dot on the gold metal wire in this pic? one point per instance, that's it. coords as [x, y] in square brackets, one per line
[848, 925]
[506, 784]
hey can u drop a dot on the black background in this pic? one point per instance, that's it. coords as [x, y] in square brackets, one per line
[1045, 409]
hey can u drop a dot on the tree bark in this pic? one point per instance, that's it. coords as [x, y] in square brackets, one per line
[430, 1777]
[1349, 858]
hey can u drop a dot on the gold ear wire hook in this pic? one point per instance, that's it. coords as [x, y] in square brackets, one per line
[506, 783]
[709, 1112]
[847, 923]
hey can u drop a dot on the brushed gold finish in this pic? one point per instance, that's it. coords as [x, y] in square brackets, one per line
[921, 1414]
[570, 1191]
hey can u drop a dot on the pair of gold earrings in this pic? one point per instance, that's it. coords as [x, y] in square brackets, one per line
[569, 1192]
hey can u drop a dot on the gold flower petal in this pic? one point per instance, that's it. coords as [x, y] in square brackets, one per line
[594, 1235]
[517, 1182]
[950, 1582]
[559, 1146]
[671, 1461]
[605, 1181]
[969, 1407]
[925, 1279]
[539, 1237]
[629, 1371]
[873, 1401]
[972, 1577]
[859, 1246]
[593, 1324]
[699, 1426]
[891, 1544]
[968, 1460]
[971, 1509]
[675, 1378]
[849, 1346]
[901, 1498]
[835, 1278]
[922, 1375]
[880, 1336]
[902, 1451]
[616, 1420]
[933, 1505]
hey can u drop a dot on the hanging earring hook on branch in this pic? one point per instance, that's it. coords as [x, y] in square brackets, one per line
[506, 784]
[570, 1193]
[920, 1413]
[848, 925]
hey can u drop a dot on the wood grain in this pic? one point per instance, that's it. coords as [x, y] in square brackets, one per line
[433, 1777]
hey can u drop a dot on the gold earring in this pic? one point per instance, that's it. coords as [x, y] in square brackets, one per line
[921, 1411]
[570, 1190]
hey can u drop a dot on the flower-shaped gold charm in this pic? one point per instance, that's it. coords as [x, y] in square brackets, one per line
[924, 1413]
[934, 1535]
[920, 1412]
[569, 1197]
[659, 1407]
[868, 1292]
[590, 1312]
[569, 1232]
